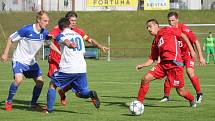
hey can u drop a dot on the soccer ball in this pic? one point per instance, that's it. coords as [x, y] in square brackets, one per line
[136, 108]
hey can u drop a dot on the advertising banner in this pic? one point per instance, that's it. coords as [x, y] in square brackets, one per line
[156, 4]
[97, 3]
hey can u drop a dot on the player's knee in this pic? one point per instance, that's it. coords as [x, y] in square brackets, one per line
[145, 79]
[39, 83]
[190, 72]
[180, 92]
[17, 82]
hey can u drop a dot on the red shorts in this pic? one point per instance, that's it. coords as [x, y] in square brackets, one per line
[53, 67]
[189, 62]
[174, 73]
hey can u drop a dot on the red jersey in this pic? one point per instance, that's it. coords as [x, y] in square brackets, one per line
[165, 45]
[54, 56]
[191, 36]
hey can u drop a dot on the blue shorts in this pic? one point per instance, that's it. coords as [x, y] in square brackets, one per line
[77, 80]
[29, 71]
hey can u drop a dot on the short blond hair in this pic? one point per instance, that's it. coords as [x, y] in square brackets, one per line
[39, 15]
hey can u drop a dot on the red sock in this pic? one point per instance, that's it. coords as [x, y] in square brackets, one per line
[167, 88]
[188, 96]
[196, 84]
[142, 92]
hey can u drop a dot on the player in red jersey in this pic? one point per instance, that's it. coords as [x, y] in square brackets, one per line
[171, 64]
[54, 58]
[188, 60]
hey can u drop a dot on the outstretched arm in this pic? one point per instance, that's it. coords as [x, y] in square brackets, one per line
[49, 42]
[53, 47]
[91, 41]
[101, 47]
[4, 56]
[145, 64]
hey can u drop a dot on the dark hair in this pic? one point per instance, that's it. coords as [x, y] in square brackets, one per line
[210, 32]
[63, 23]
[71, 14]
[152, 20]
[172, 13]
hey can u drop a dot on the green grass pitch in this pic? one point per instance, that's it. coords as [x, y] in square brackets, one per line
[117, 83]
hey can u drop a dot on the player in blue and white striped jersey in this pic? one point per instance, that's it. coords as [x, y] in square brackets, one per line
[30, 39]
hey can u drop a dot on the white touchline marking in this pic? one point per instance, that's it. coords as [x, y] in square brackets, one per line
[133, 83]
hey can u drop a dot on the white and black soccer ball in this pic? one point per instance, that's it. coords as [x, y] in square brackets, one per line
[136, 108]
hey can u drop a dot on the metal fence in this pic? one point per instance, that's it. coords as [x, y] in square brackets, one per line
[114, 53]
[128, 52]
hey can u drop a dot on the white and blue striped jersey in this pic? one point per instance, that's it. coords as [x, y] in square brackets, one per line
[72, 59]
[30, 41]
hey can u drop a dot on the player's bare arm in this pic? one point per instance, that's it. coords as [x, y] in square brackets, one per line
[50, 43]
[70, 44]
[52, 46]
[193, 53]
[101, 47]
[145, 64]
[201, 58]
[4, 56]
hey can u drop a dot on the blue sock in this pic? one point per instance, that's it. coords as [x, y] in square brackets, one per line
[85, 94]
[12, 92]
[51, 94]
[36, 93]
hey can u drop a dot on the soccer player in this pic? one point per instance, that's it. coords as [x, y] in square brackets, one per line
[209, 43]
[72, 66]
[54, 58]
[171, 65]
[188, 60]
[30, 39]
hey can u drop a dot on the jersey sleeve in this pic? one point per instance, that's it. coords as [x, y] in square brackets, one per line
[82, 33]
[154, 51]
[19, 34]
[189, 33]
[55, 31]
[60, 38]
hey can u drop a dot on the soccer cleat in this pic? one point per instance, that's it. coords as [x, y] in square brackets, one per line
[8, 106]
[164, 99]
[193, 104]
[199, 98]
[95, 99]
[62, 97]
[36, 106]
